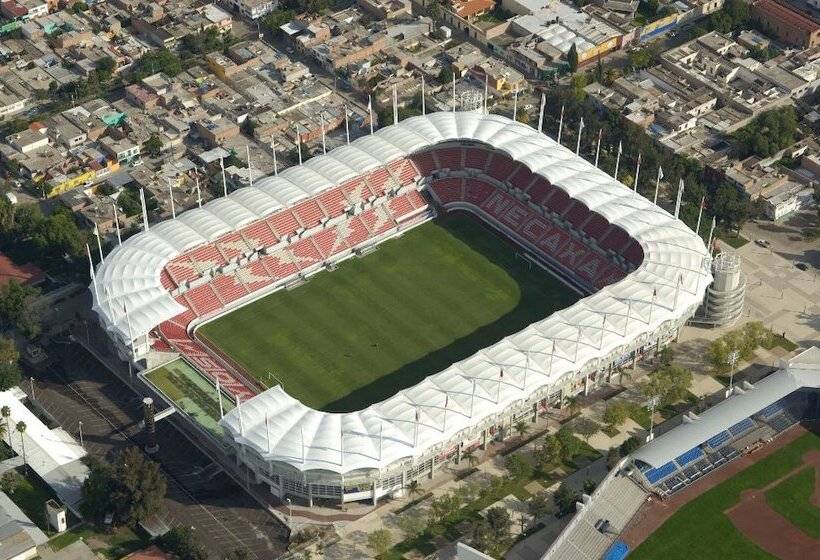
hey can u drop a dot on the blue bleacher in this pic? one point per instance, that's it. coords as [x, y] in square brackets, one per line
[686, 458]
[618, 551]
[771, 410]
[655, 475]
[716, 441]
[742, 427]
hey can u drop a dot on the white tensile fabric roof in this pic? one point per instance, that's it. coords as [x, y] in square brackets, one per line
[472, 392]
[801, 371]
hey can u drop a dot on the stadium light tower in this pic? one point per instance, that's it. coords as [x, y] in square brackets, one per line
[653, 402]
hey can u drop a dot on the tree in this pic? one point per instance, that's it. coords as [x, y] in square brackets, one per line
[10, 481]
[79, 7]
[572, 58]
[730, 206]
[521, 428]
[105, 67]
[615, 414]
[589, 486]
[471, 457]
[565, 497]
[277, 18]
[411, 524]
[613, 457]
[380, 541]
[768, 133]
[586, 428]
[158, 60]
[413, 488]
[97, 490]
[153, 146]
[21, 428]
[183, 543]
[668, 385]
[550, 453]
[444, 506]
[518, 467]
[238, 554]
[573, 403]
[20, 308]
[539, 506]
[570, 445]
[9, 366]
[6, 413]
[629, 445]
[499, 521]
[139, 487]
[445, 76]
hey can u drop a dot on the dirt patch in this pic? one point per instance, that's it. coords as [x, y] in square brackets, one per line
[813, 458]
[769, 530]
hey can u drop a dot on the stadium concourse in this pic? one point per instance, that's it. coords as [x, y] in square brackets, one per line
[643, 273]
[752, 415]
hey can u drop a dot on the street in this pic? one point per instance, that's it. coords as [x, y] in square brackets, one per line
[80, 389]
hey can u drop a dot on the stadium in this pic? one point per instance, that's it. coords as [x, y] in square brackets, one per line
[618, 277]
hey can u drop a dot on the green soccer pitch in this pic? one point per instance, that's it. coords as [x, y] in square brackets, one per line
[378, 324]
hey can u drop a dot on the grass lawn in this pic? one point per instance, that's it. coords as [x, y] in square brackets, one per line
[792, 499]
[381, 323]
[733, 239]
[113, 545]
[191, 392]
[31, 495]
[701, 530]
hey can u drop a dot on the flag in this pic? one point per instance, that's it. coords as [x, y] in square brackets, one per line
[96, 230]
[501, 373]
[703, 203]
[581, 124]
[660, 173]
[446, 400]
[620, 147]
[417, 414]
[654, 293]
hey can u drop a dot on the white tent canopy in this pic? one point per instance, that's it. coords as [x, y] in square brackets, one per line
[666, 287]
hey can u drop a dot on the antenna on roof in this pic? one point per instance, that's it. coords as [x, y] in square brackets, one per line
[598, 147]
[637, 173]
[322, 125]
[560, 124]
[171, 198]
[541, 113]
[423, 103]
[250, 166]
[395, 105]
[224, 182]
[515, 103]
[347, 124]
[117, 221]
[144, 210]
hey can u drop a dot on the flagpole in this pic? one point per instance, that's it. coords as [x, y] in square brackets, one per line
[302, 441]
[267, 430]
[454, 92]
[515, 104]
[628, 316]
[560, 124]
[370, 111]
[395, 105]
[224, 180]
[273, 150]
[541, 113]
[130, 331]
[239, 411]
[577, 345]
[680, 196]
[423, 102]
[99, 241]
[93, 274]
[322, 125]
[603, 329]
[658, 184]
[652, 305]
[711, 232]
[618, 159]
[637, 173]
[472, 399]
[416, 429]
[171, 198]
[446, 402]
[677, 290]
[250, 167]
[219, 398]
[700, 214]
[498, 391]
[486, 90]
[552, 356]
[299, 143]
[198, 192]
[117, 222]
[578, 143]
[598, 147]
[144, 210]
[347, 125]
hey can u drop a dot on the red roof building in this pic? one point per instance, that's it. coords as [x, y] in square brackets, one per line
[12, 10]
[27, 274]
[150, 553]
[786, 23]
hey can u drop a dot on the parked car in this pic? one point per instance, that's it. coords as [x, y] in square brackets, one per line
[763, 242]
[802, 266]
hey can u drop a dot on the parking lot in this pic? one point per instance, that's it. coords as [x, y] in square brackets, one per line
[80, 389]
